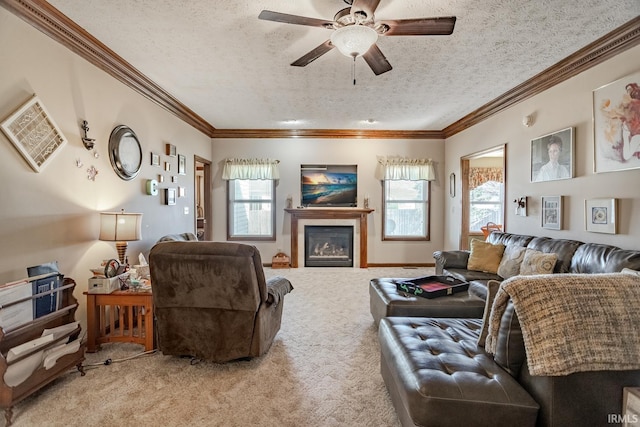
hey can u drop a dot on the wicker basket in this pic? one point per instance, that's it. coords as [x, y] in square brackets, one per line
[491, 226]
[281, 260]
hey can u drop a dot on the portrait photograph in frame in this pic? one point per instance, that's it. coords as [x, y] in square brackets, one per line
[616, 125]
[552, 156]
[182, 165]
[552, 212]
[600, 215]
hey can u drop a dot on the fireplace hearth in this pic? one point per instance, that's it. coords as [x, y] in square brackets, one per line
[328, 246]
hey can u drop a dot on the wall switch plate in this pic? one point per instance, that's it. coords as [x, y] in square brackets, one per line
[186, 210]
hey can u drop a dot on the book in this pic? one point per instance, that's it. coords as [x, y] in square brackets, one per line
[48, 302]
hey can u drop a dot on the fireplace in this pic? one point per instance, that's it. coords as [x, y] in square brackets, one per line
[328, 246]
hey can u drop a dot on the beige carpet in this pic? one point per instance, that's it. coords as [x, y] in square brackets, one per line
[322, 370]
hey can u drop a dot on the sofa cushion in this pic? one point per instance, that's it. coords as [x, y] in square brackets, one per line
[510, 352]
[509, 239]
[536, 262]
[563, 248]
[485, 256]
[598, 258]
[511, 260]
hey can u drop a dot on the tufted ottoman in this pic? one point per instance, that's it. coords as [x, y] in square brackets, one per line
[385, 300]
[437, 376]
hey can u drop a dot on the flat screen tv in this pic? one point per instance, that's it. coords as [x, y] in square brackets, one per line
[329, 185]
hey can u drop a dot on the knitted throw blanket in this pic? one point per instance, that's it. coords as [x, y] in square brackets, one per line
[573, 322]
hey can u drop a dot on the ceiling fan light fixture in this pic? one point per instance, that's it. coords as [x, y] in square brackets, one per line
[354, 40]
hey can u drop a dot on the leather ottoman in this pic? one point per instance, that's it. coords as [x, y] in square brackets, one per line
[436, 375]
[386, 301]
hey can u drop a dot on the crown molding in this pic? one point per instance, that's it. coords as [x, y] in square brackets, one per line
[56, 25]
[328, 133]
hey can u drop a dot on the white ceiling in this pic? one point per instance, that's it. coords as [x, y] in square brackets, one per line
[232, 69]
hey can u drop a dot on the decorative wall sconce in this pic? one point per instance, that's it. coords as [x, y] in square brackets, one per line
[521, 205]
[527, 121]
[88, 142]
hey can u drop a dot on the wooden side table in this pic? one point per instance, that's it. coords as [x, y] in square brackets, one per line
[121, 316]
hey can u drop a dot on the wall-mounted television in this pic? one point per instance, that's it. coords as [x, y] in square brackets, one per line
[329, 185]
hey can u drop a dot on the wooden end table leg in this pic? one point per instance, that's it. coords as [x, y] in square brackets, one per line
[92, 324]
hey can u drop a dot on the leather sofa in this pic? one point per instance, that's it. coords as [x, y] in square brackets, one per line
[212, 300]
[573, 257]
[438, 374]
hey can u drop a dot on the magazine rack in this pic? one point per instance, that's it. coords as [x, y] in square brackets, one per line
[40, 377]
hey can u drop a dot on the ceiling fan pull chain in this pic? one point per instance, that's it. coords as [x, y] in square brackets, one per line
[353, 70]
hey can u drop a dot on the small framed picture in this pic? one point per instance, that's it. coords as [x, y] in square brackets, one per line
[170, 150]
[174, 179]
[160, 178]
[600, 215]
[180, 191]
[552, 156]
[552, 212]
[182, 165]
[170, 196]
[167, 166]
[155, 159]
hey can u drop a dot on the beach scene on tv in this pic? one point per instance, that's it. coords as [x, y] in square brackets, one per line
[329, 188]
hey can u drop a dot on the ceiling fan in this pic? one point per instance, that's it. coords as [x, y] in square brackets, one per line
[356, 32]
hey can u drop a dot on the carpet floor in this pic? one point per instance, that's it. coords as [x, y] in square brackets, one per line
[323, 369]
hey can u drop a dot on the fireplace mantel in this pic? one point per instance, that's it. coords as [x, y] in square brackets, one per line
[329, 213]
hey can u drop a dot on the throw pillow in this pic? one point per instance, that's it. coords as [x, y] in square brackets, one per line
[511, 260]
[630, 272]
[485, 256]
[492, 290]
[536, 262]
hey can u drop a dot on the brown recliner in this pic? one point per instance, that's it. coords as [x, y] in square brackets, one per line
[212, 302]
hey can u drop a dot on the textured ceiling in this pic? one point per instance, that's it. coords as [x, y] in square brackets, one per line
[232, 69]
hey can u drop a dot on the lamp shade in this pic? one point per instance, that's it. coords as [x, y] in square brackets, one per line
[354, 40]
[120, 226]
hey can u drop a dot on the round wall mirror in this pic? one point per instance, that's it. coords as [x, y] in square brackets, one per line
[125, 152]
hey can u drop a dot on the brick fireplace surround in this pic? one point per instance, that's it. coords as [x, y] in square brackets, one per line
[329, 214]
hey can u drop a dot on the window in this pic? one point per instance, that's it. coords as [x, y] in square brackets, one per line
[485, 205]
[406, 210]
[251, 209]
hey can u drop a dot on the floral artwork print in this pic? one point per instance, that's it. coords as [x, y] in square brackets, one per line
[617, 125]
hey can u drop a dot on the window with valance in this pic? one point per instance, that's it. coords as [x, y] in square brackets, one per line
[406, 195]
[251, 198]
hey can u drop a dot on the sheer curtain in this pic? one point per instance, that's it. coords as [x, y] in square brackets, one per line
[251, 169]
[403, 168]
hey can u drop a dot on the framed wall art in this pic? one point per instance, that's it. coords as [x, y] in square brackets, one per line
[552, 212]
[170, 150]
[34, 133]
[155, 159]
[182, 165]
[600, 215]
[170, 196]
[616, 125]
[552, 156]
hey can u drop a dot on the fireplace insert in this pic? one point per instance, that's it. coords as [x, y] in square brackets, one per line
[328, 246]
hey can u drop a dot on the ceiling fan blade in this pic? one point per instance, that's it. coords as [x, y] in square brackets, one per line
[269, 15]
[313, 55]
[419, 27]
[376, 60]
[367, 6]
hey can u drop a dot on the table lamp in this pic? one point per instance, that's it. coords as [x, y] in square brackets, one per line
[120, 227]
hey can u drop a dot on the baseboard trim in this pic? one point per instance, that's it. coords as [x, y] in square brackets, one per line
[404, 265]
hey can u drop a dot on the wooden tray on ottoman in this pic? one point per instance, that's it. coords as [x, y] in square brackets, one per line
[432, 286]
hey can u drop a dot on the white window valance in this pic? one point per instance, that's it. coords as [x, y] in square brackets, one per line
[251, 169]
[403, 168]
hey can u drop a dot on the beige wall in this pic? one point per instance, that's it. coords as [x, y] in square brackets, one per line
[294, 152]
[566, 105]
[53, 215]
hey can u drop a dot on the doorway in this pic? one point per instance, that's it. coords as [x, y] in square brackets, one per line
[203, 209]
[483, 192]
